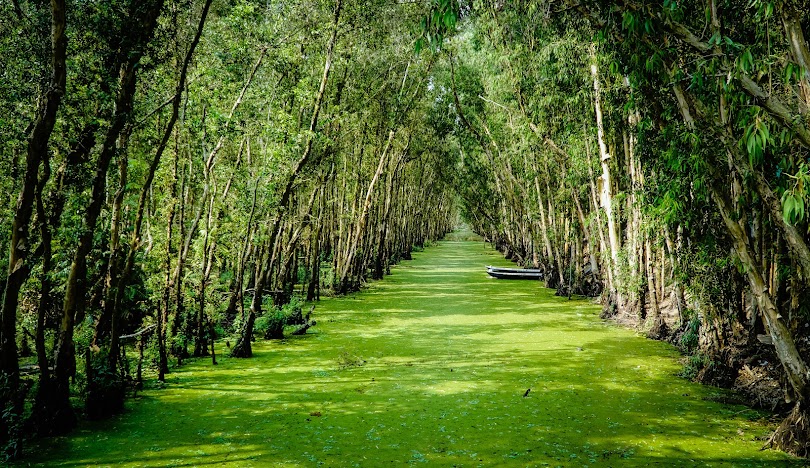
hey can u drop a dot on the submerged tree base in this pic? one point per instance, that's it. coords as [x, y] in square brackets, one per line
[793, 434]
[52, 415]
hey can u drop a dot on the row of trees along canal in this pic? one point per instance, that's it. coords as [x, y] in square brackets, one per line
[655, 153]
[173, 171]
[178, 166]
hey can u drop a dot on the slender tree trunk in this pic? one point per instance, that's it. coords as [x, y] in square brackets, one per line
[236, 294]
[796, 369]
[65, 358]
[792, 22]
[163, 314]
[680, 300]
[242, 347]
[605, 182]
[588, 236]
[315, 248]
[792, 362]
[202, 328]
[103, 324]
[19, 270]
[180, 349]
[361, 222]
[49, 222]
[656, 320]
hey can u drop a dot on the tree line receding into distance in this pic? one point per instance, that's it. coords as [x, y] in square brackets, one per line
[175, 172]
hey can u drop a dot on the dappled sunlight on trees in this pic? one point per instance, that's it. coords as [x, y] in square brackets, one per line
[182, 177]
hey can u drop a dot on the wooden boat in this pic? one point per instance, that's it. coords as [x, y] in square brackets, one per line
[514, 273]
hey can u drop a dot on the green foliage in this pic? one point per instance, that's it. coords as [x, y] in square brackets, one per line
[693, 365]
[793, 207]
[794, 199]
[292, 311]
[756, 139]
[438, 23]
[691, 334]
[271, 324]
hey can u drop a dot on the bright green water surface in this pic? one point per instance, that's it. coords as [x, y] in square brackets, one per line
[429, 368]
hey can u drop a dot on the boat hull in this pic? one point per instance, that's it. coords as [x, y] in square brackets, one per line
[514, 273]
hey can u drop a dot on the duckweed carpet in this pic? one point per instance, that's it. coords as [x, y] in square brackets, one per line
[431, 367]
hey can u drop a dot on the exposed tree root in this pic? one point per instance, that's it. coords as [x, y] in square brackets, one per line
[659, 329]
[793, 434]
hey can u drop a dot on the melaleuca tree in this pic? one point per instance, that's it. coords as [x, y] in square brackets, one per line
[702, 139]
[184, 125]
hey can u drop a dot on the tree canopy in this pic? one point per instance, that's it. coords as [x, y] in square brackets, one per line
[178, 172]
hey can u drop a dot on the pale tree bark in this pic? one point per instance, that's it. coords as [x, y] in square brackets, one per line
[242, 347]
[791, 20]
[673, 253]
[163, 314]
[360, 227]
[774, 106]
[381, 255]
[605, 182]
[797, 246]
[796, 369]
[654, 317]
[634, 247]
[589, 236]
[237, 293]
[794, 365]
[594, 203]
[208, 167]
[201, 326]
[313, 285]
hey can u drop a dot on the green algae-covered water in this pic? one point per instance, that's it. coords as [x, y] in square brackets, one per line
[431, 367]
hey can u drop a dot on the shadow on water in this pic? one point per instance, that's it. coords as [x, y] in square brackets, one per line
[432, 366]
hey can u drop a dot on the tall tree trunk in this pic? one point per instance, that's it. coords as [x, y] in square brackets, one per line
[201, 335]
[236, 293]
[242, 348]
[796, 369]
[672, 250]
[103, 324]
[792, 22]
[65, 358]
[792, 362]
[361, 221]
[49, 222]
[163, 314]
[656, 320]
[315, 245]
[180, 347]
[136, 238]
[605, 182]
[38, 142]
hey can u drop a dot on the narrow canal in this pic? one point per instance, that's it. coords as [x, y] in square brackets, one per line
[431, 367]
